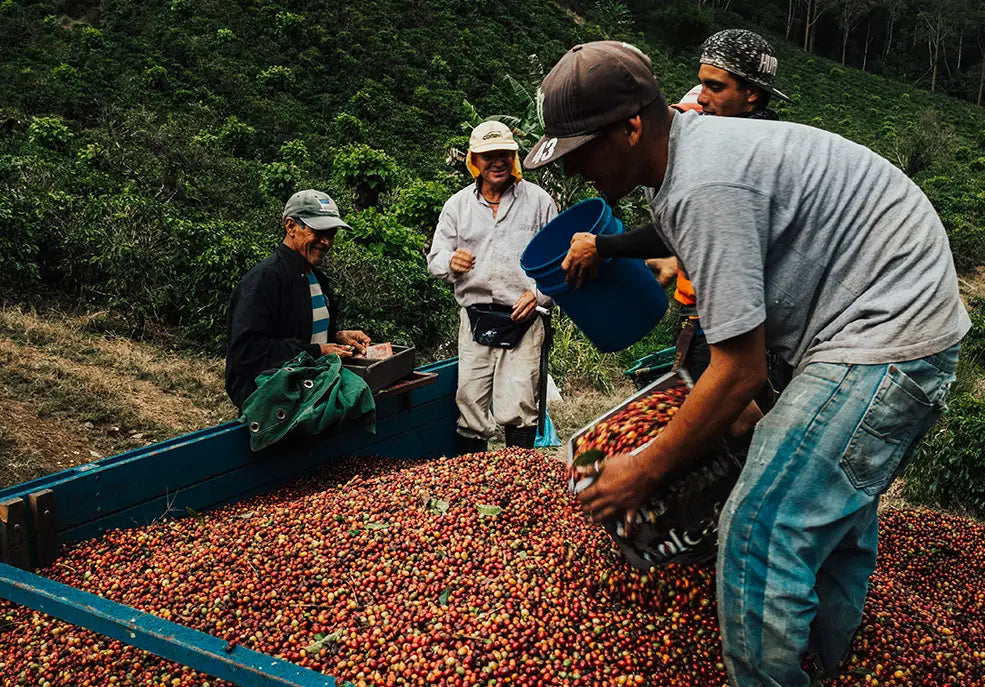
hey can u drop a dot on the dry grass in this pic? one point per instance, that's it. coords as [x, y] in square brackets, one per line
[972, 283]
[581, 403]
[68, 395]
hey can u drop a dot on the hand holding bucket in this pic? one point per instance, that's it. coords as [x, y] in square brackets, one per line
[614, 310]
[582, 259]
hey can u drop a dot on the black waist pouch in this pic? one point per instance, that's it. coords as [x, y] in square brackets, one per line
[491, 325]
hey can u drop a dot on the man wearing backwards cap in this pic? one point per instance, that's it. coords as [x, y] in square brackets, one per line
[481, 233]
[736, 73]
[736, 70]
[283, 306]
[802, 241]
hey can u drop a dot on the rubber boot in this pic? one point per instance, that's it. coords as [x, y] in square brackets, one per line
[470, 445]
[521, 437]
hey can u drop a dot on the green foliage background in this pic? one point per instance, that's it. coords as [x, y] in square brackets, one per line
[146, 149]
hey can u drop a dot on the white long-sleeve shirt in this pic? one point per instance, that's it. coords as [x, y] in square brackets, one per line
[467, 222]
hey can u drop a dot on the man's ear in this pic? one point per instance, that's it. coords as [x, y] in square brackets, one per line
[754, 94]
[634, 129]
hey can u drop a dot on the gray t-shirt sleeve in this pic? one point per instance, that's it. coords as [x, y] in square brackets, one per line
[726, 266]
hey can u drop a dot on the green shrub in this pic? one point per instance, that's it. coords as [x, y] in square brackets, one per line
[391, 300]
[348, 128]
[277, 76]
[90, 153]
[418, 205]
[367, 171]
[947, 470]
[236, 136]
[574, 357]
[383, 235]
[681, 25]
[613, 17]
[156, 77]
[973, 344]
[49, 132]
[18, 250]
[280, 180]
[924, 144]
[296, 152]
[64, 73]
[290, 25]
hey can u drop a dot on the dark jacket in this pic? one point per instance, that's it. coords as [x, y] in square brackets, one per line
[270, 320]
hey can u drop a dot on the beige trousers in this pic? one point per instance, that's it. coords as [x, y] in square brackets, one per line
[497, 385]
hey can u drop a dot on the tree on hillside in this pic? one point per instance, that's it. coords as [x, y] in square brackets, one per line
[933, 19]
[939, 21]
[850, 14]
[979, 28]
[895, 9]
[814, 9]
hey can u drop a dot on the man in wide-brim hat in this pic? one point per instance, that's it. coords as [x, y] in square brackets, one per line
[477, 244]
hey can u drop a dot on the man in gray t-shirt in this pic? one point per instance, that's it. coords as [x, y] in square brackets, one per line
[802, 241]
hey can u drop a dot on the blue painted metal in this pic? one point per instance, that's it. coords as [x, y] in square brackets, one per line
[172, 641]
[201, 470]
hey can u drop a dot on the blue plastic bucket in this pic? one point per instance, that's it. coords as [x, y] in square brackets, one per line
[542, 258]
[619, 307]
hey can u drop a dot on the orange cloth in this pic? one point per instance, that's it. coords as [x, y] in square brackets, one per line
[516, 172]
[684, 294]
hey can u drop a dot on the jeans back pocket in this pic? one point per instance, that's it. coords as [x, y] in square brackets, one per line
[897, 417]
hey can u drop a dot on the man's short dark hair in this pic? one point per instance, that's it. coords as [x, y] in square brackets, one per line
[656, 111]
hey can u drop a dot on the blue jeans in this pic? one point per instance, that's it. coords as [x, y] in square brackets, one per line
[797, 537]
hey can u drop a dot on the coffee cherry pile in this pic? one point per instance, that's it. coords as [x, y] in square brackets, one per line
[477, 570]
[925, 613]
[635, 425]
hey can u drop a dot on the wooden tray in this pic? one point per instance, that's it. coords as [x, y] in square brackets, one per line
[380, 374]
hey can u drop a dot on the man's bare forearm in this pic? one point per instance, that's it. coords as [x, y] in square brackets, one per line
[719, 397]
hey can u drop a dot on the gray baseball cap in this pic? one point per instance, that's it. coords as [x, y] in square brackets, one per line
[592, 85]
[745, 54]
[314, 208]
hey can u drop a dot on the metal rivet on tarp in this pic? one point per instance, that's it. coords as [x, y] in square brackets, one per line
[308, 383]
[254, 426]
[281, 414]
[289, 369]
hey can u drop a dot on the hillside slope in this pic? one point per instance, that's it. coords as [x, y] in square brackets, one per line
[160, 139]
[146, 150]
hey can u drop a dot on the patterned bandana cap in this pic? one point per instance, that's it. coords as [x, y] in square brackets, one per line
[744, 54]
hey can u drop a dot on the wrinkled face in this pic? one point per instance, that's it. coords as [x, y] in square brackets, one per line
[603, 163]
[312, 245]
[724, 95]
[495, 166]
